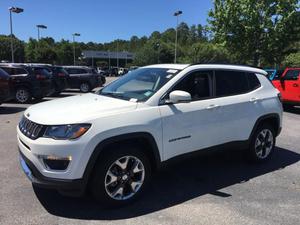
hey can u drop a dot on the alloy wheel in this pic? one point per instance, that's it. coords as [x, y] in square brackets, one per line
[22, 95]
[124, 178]
[264, 143]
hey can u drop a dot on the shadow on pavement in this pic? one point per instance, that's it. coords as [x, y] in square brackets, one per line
[295, 110]
[6, 109]
[174, 184]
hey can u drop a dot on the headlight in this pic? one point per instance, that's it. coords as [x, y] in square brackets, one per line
[66, 131]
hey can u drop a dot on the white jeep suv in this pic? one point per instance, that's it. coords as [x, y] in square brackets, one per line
[112, 140]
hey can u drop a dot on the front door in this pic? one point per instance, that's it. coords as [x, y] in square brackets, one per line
[190, 126]
[290, 86]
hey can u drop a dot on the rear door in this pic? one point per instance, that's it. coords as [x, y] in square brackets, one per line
[74, 77]
[290, 86]
[4, 85]
[239, 104]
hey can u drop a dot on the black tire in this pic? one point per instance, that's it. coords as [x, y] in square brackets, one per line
[38, 99]
[288, 107]
[105, 163]
[56, 94]
[85, 87]
[22, 95]
[261, 148]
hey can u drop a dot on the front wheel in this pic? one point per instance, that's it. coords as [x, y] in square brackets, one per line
[121, 176]
[262, 144]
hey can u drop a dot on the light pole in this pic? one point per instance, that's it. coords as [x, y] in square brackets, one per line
[125, 52]
[40, 26]
[109, 59]
[118, 53]
[75, 34]
[13, 10]
[177, 14]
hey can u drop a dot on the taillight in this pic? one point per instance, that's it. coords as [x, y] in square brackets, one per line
[40, 77]
[279, 96]
[61, 74]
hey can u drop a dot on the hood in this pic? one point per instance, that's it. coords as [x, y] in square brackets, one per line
[77, 109]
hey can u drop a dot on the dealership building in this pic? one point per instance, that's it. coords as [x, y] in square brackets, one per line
[113, 59]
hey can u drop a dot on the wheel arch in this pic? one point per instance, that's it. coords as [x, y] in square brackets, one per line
[144, 139]
[272, 119]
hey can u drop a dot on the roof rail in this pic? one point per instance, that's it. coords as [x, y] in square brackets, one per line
[227, 64]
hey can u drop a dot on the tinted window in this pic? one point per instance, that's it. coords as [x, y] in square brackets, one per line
[291, 75]
[197, 84]
[7, 70]
[3, 74]
[14, 71]
[41, 71]
[253, 81]
[230, 83]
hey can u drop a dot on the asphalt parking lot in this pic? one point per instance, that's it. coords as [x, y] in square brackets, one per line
[218, 188]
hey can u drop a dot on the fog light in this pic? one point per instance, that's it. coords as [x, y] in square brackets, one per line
[56, 162]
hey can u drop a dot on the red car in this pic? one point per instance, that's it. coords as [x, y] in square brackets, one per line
[289, 86]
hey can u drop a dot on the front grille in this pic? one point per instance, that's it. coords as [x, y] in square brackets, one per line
[30, 129]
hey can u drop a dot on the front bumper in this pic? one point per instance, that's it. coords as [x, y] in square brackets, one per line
[74, 187]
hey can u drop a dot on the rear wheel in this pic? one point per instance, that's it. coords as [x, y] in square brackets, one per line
[85, 87]
[121, 176]
[22, 95]
[262, 144]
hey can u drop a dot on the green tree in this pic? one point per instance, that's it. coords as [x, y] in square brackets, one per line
[292, 60]
[255, 31]
[204, 52]
[5, 49]
[42, 51]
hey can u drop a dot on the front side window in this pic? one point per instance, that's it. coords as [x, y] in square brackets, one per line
[292, 75]
[230, 83]
[197, 84]
[140, 84]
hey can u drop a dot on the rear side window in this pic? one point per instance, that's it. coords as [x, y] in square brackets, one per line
[14, 71]
[42, 71]
[253, 81]
[230, 83]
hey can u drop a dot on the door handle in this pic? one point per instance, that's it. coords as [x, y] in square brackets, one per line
[254, 99]
[295, 85]
[212, 106]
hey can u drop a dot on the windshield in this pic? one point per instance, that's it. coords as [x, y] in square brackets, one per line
[140, 84]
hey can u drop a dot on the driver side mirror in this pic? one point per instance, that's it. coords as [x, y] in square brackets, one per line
[179, 97]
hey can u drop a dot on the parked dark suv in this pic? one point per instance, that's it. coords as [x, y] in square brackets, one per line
[29, 81]
[5, 89]
[83, 78]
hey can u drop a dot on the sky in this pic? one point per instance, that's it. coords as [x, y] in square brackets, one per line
[99, 20]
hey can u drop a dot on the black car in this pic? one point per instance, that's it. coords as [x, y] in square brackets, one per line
[5, 87]
[29, 81]
[83, 78]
